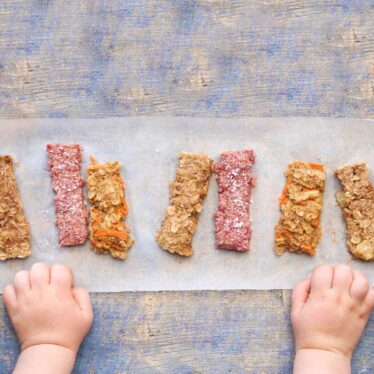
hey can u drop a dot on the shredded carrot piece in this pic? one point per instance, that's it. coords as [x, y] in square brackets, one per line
[302, 202]
[110, 232]
[282, 234]
[308, 248]
[279, 234]
[316, 166]
[283, 197]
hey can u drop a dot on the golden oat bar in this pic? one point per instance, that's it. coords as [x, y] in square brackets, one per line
[299, 227]
[357, 204]
[187, 194]
[106, 193]
[14, 228]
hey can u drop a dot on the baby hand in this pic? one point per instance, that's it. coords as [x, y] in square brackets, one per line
[44, 308]
[331, 309]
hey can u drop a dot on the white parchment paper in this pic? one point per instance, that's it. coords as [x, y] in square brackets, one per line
[148, 147]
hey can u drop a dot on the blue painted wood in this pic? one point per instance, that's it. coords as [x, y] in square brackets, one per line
[189, 332]
[199, 332]
[92, 58]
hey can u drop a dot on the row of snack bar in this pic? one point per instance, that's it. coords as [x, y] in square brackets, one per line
[298, 229]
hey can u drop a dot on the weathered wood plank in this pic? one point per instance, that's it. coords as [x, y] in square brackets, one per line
[92, 58]
[189, 332]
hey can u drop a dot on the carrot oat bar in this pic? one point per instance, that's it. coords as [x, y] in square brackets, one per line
[299, 228]
[187, 194]
[71, 213]
[14, 228]
[235, 183]
[106, 193]
[357, 204]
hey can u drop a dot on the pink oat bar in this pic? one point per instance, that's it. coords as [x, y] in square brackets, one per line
[235, 183]
[71, 212]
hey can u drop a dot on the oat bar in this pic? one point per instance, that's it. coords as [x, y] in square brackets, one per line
[357, 204]
[187, 194]
[106, 193]
[14, 228]
[299, 227]
[235, 183]
[71, 212]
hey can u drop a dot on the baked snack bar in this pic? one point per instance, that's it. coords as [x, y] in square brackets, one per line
[71, 213]
[299, 227]
[357, 205]
[235, 183]
[14, 227]
[187, 194]
[106, 193]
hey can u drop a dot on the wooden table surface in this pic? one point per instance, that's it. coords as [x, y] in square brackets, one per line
[93, 58]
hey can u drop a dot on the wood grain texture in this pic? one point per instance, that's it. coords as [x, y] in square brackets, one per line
[89, 58]
[189, 332]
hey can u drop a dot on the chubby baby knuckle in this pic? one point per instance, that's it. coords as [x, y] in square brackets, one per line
[20, 274]
[7, 293]
[365, 286]
[343, 267]
[60, 267]
[39, 267]
[323, 267]
[359, 274]
[36, 265]
[61, 270]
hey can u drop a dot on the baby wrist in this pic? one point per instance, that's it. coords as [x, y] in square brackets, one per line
[45, 358]
[321, 361]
